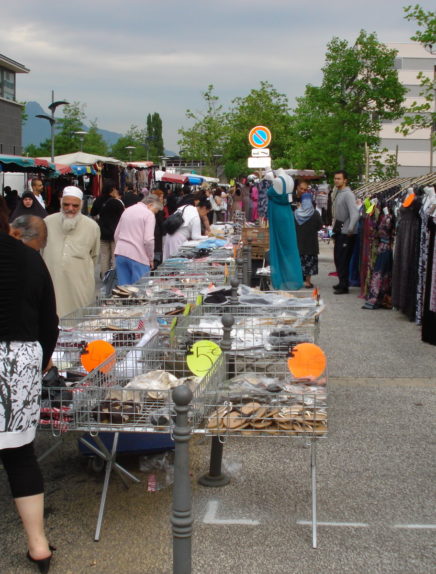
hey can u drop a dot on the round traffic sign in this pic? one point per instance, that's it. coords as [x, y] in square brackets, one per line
[259, 137]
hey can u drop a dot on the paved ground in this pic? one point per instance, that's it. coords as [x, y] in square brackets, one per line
[376, 487]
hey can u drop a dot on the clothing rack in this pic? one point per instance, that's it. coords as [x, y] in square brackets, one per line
[375, 188]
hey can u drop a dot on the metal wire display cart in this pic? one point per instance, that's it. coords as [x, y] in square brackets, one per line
[260, 397]
[129, 394]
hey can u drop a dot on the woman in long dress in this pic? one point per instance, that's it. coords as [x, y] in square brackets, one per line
[285, 261]
[190, 229]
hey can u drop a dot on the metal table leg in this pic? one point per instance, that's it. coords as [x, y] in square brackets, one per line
[109, 457]
[313, 476]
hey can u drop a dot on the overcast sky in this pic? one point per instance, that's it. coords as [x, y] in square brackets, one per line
[127, 59]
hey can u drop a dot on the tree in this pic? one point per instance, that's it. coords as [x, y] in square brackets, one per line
[334, 123]
[417, 115]
[205, 140]
[134, 138]
[262, 106]
[93, 141]
[153, 138]
[66, 138]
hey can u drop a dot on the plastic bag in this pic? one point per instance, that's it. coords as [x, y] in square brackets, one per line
[159, 469]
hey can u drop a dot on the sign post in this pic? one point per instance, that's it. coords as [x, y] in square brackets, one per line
[259, 138]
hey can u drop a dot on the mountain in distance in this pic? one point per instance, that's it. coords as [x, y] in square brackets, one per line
[37, 130]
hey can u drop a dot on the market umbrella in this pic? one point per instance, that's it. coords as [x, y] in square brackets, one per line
[174, 178]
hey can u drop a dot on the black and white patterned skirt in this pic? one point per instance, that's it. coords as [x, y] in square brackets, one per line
[20, 392]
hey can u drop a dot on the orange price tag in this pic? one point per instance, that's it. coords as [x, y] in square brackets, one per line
[96, 353]
[307, 361]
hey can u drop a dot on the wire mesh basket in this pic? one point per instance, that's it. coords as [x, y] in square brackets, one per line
[252, 333]
[130, 394]
[263, 398]
[175, 289]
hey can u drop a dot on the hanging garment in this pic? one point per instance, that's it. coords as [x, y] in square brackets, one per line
[285, 261]
[380, 287]
[368, 251]
[406, 257]
[262, 205]
[422, 264]
[429, 308]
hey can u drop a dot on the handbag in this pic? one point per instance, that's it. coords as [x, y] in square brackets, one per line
[173, 222]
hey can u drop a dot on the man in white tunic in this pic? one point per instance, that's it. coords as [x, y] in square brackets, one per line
[71, 253]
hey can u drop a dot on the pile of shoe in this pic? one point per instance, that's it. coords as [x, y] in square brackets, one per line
[254, 418]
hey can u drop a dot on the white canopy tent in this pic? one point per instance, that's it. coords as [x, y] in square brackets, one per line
[82, 158]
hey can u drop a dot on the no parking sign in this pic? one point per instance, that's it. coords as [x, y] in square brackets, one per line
[259, 137]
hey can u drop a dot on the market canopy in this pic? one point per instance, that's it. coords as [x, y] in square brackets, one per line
[140, 164]
[174, 178]
[82, 158]
[18, 163]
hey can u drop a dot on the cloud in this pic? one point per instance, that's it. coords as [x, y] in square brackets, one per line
[127, 59]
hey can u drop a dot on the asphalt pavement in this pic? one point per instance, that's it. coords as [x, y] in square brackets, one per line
[375, 477]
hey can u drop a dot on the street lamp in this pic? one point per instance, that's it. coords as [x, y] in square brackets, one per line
[130, 149]
[52, 119]
[81, 135]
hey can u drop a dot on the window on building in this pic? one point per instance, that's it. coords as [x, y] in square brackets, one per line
[398, 63]
[7, 84]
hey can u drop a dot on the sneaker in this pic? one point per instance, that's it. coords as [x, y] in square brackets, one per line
[341, 291]
[337, 286]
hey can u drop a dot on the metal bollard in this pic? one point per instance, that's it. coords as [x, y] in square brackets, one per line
[234, 283]
[245, 257]
[239, 269]
[181, 517]
[249, 262]
[215, 476]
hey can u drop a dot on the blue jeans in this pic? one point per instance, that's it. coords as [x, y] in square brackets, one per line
[129, 271]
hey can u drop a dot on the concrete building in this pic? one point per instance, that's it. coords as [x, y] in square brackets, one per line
[10, 109]
[414, 149]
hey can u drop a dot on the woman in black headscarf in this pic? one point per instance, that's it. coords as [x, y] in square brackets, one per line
[28, 205]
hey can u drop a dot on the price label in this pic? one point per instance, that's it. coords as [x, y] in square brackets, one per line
[96, 353]
[307, 361]
[201, 356]
[187, 310]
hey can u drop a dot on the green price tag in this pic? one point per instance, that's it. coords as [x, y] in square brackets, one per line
[199, 300]
[201, 356]
[187, 310]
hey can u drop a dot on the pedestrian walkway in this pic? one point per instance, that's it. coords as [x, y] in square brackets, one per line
[375, 477]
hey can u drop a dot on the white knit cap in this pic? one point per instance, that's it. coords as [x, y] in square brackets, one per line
[72, 191]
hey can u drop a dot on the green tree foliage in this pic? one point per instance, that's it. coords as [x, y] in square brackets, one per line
[262, 106]
[153, 138]
[135, 137]
[205, 140]
[422, 115]
[66, 138]
[333, 122]
[426, 21]
[93, 142]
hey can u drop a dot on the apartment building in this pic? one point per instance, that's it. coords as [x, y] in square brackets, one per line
[414, 150]
[10, 109]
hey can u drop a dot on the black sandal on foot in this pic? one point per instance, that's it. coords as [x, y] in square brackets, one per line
[44, 563]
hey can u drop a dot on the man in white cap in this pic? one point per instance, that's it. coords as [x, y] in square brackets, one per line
[71, 253]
